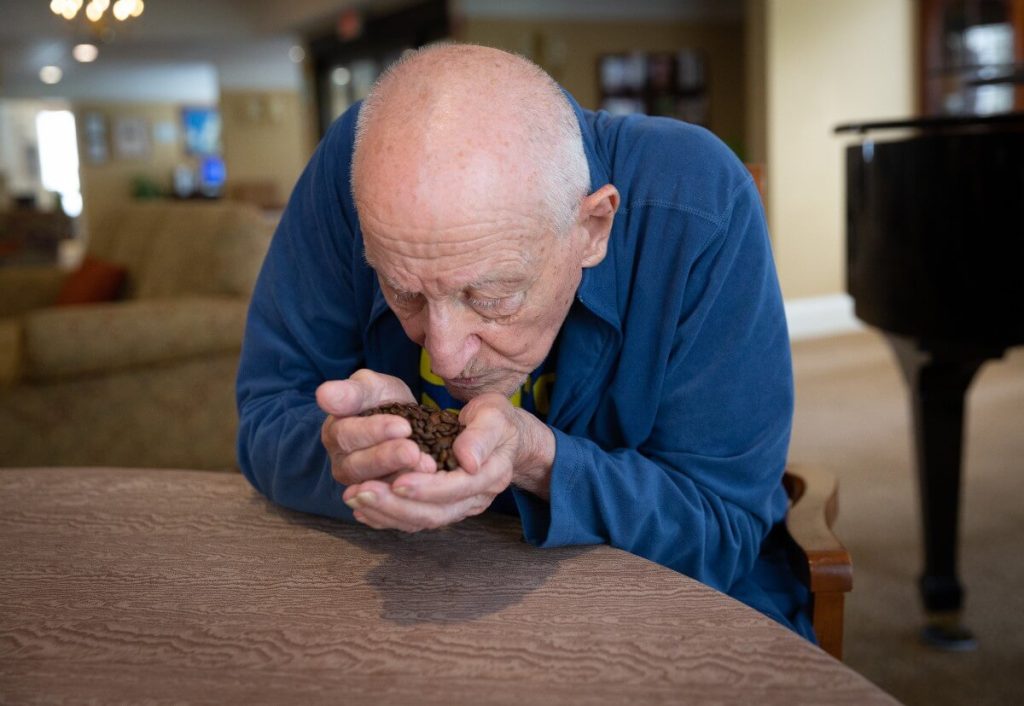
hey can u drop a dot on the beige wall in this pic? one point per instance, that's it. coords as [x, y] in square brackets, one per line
[265, 138]
[828, 62]
[569, 51]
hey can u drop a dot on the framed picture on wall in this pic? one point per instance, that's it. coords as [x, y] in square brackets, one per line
[94, 138]
[131, 137]
[202, 130]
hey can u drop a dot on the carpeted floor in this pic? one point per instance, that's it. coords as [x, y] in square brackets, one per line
[852, 416]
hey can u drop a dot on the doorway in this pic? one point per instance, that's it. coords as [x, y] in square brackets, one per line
[40, 190]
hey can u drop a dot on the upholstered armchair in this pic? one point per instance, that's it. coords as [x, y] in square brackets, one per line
[146, 379]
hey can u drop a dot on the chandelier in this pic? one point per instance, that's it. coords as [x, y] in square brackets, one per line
[95, 9]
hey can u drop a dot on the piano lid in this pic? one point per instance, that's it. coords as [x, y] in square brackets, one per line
[935, 229]
[938, 123]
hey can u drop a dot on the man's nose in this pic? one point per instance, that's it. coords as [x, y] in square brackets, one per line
[450, 339]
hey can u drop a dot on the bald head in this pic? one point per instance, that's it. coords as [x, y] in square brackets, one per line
[468, 127]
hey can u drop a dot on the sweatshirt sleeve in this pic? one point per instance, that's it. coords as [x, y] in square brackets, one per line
[302, 328]
[703, 490]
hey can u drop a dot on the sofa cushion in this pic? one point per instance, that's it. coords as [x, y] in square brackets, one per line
[94, 281]
[126, 236]
[178, 415]
[176, 249]
[185, 257]
[104, 337]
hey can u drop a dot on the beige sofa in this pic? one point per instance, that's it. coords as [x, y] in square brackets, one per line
[147, 380]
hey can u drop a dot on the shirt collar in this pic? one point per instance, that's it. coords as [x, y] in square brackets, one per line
[380, 304]
[598, 288]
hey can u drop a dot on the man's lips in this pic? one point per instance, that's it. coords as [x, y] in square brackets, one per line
[479, 384]
[474, 382]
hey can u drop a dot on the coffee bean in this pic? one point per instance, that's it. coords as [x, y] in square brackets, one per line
[433, 430]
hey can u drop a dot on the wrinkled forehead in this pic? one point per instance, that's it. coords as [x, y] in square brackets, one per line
[468, 209]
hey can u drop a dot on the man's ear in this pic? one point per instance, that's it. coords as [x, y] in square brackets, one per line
[596, 214]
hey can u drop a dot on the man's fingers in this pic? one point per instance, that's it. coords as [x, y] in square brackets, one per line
[487, 427]
[377, 461]
[351, 434]
[365, 389]
[366, 500]
[379, 507]
[443, 488]
[372, 523]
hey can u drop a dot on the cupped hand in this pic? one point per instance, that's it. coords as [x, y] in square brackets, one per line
[374, 447]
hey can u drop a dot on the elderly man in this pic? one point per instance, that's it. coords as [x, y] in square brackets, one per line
[597, 292]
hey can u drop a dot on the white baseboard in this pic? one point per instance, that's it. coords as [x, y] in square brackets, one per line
[814, 317]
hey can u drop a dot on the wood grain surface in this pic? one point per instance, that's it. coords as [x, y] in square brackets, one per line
[156, 586]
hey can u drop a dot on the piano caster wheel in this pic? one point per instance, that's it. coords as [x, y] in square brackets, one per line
[947, 633]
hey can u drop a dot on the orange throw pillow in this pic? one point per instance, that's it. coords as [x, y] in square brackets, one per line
[94, 281]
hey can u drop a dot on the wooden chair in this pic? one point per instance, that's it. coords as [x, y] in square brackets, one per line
[814, 505]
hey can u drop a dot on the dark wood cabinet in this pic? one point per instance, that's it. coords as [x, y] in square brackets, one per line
[971, 56]
[672, 84]
[349, 56]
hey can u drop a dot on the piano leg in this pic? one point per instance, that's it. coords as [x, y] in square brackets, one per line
[938, 378]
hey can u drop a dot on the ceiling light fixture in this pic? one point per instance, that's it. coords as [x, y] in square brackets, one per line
[85, 53]
[50, 74]
[95, 9]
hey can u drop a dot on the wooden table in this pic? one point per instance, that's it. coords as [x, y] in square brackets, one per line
[123, 585]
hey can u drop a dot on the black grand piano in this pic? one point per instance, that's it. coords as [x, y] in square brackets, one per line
[935, 259]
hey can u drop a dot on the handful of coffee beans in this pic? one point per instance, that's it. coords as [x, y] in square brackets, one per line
[434, 430]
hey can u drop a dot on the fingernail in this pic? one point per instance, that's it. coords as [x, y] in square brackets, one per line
[353, 502]
[366, 498]
[402, 491]
[396, 429]
[340, 393]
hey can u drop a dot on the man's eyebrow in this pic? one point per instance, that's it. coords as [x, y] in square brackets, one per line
[380, 275]
[366, 258]
[499, 280]
[392, 284]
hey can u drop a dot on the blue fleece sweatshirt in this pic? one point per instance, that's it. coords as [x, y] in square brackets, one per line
[673, 396]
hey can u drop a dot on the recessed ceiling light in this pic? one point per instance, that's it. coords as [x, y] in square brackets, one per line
[297, 54]
[50, 74]
[85, 53]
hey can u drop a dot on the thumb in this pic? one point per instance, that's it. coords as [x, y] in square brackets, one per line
[364, 390]
[340, 398]
[487, 428]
